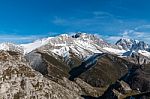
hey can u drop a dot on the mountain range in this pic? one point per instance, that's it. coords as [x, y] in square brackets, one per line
[81, 42]
[75, 66]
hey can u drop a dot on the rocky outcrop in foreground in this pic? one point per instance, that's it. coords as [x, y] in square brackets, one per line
[19, 81]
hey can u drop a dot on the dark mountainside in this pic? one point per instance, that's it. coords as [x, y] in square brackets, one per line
[136, 83]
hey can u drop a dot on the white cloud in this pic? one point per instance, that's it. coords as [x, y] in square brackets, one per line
[19, 38]
[101, 14]
[112, 39]
[143, 26]
[59, 20]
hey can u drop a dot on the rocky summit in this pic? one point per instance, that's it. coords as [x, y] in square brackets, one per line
[78, 66]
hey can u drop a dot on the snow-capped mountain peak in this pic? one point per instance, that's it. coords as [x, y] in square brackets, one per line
[130, 44]
[81, 44]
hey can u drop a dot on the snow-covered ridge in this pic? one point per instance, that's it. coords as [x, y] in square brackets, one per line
[63, 43]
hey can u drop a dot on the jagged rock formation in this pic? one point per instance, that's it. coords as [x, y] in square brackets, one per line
[129, 44]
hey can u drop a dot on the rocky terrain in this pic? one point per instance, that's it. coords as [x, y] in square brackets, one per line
[19, 81]
[79, 66]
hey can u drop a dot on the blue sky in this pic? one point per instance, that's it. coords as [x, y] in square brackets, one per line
[23, 21]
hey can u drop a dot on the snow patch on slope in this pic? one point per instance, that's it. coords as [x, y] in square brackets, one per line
[63, 51]
[115, 51]
[87, 46]
[144, 53]
[32, 46]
